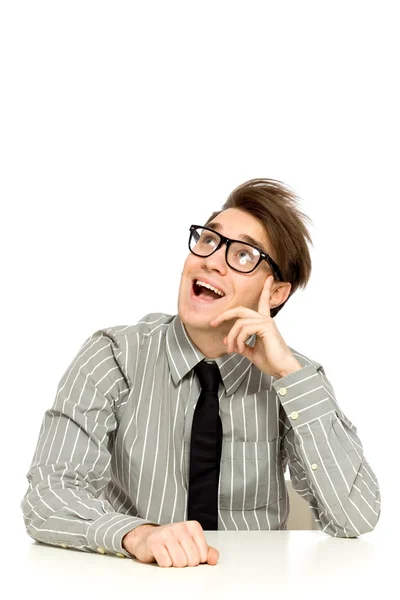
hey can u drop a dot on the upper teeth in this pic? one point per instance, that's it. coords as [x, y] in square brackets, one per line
[210, 287]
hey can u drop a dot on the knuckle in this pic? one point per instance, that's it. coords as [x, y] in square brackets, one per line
[168, 535]
[196, 525]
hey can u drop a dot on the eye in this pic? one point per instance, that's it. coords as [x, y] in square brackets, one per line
[208, 239]
[245, 256]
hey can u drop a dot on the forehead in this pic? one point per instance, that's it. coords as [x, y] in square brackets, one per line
[240, 225]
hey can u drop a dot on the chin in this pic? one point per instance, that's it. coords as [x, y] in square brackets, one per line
[192, 319]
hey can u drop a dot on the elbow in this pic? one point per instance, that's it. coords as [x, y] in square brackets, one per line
[28, 514]
[31, 518]
[354, 529]
[373, 518]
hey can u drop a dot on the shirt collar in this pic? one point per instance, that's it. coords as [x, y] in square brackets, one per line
[183, 355]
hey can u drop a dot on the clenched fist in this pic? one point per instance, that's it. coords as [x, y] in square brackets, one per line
[173, 545]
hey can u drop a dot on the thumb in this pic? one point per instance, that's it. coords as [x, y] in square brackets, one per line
[213, 556]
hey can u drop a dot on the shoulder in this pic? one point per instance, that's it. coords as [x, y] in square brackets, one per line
[122, 344]
[147, 326]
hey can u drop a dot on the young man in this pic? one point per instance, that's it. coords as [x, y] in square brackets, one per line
[179, 424]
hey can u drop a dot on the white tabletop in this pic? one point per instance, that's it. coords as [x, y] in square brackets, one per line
[293, 564]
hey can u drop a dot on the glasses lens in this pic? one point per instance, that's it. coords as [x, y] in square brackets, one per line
[203, 242]
[242, 257]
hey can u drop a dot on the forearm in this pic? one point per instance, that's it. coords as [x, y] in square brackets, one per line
[326, 455]
[71, 465]
[339, 485]
[60, 510]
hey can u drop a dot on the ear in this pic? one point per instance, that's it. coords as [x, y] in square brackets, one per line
[280, 293]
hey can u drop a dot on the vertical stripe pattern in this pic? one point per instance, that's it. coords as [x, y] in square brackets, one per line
[113, 450]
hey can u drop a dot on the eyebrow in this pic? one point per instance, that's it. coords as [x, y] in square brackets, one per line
[246, 238]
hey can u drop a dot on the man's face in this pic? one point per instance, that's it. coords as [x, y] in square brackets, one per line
[240, 289]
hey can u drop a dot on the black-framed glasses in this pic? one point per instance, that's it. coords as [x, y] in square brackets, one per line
[240, 256]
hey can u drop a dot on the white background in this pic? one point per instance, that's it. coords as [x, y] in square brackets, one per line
[122, 123]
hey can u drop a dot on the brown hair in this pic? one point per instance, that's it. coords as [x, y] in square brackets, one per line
[274, 204]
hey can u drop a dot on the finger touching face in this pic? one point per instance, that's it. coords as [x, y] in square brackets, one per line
[197, 303]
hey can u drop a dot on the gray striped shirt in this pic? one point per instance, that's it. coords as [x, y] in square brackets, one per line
[113, 451]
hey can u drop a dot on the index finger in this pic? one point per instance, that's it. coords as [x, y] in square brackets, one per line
[264, 307]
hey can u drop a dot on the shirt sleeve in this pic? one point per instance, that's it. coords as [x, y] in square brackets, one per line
[71, 463]
[325, 455]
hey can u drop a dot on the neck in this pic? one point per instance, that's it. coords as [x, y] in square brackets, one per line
[209, 342]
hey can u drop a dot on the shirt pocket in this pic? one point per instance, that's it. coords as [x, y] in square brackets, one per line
[249, 475]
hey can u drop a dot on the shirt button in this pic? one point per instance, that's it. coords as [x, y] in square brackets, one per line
[314, 466]
[121, 555]
[294, 415]
[283, 391]
[101, 550]
[64, 546]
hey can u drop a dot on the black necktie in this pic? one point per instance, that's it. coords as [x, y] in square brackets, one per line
[205, 449]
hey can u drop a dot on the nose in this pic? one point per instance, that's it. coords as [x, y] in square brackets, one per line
[216, 261]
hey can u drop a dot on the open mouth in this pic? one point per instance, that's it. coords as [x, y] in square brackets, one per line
[201, 291]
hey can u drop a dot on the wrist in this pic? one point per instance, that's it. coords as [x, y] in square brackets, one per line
[291, 367]
[131, 539]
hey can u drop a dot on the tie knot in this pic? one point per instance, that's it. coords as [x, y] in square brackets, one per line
[209, 376]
